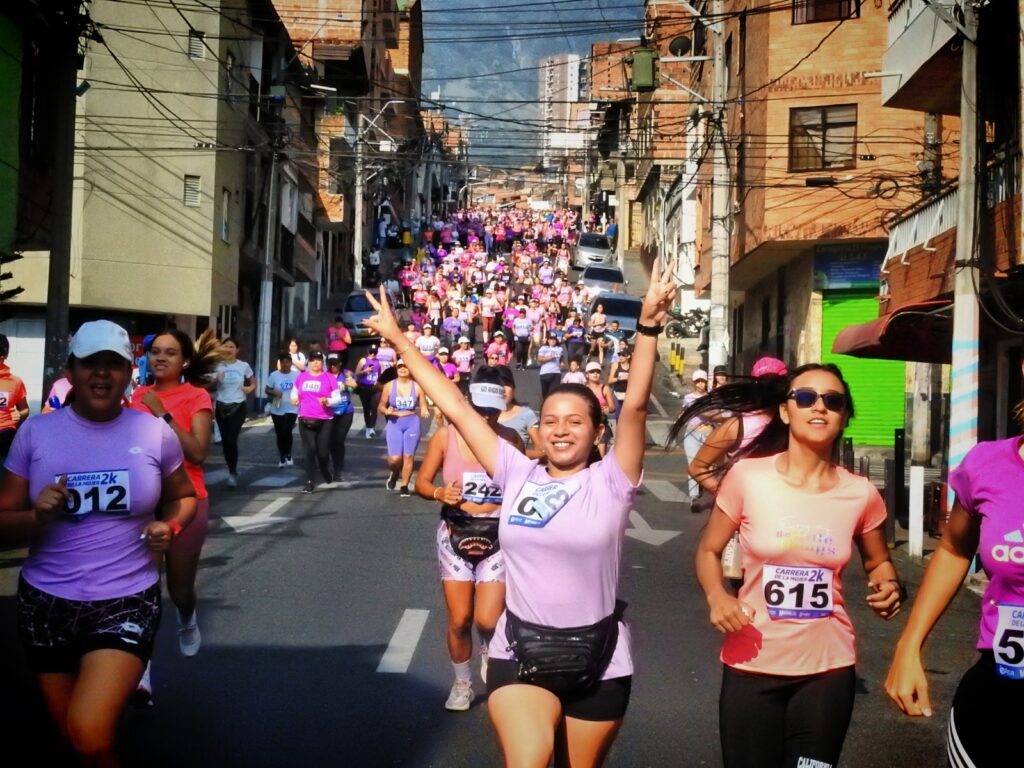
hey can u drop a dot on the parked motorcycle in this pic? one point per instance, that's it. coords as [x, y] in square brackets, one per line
[685, 324]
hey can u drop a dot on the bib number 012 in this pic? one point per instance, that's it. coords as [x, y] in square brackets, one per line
[108, 491]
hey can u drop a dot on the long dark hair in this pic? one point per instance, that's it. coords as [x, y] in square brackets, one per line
[763, 394]
[199, 358]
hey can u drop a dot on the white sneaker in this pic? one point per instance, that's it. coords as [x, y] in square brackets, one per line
[143, 696]
[460, 698]
[483, 665]
[288, 462]
[232, 481]
[282, 463]
[189, 638]
[367, 433]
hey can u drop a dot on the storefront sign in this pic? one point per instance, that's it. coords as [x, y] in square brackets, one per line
[842, 266]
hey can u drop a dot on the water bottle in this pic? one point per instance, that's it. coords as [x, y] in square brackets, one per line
[53, 402]
[732, 559]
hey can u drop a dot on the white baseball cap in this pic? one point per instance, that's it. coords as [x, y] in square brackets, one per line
[593, 367]
[463, 340]
[699, 374]
[487, 396]
[101, 336]
[442, 351]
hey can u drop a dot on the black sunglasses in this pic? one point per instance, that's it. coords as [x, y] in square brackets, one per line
[806, 398]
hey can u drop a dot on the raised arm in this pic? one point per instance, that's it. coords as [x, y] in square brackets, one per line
[632, 426]
[471, 425]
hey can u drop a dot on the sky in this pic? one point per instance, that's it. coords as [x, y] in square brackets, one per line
[483, 57]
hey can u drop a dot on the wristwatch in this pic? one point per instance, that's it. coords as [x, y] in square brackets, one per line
[167, 417]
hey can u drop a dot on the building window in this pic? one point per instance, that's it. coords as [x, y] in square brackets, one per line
[810, 11]
[192, 195]
[196, 44]
[822, 138]
[225, 215]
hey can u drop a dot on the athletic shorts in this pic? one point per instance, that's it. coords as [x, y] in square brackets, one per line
[403, 435]
[454, 568]
[606, 701]
[190, 540]
[57, 632]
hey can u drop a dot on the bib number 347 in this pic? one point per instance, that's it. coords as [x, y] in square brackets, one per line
[797, 592]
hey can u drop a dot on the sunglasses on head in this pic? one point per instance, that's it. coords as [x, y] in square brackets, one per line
[806, 398]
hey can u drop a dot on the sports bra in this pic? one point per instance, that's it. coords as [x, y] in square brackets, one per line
[402, 403]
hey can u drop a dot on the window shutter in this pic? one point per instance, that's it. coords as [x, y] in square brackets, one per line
[196, 49]
[192, 195]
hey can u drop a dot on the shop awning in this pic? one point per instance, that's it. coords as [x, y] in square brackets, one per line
[921, 333]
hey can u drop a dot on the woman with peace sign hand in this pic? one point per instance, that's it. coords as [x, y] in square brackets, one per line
[561, 530]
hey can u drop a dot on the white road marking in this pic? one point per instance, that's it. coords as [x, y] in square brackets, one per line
[657, 406]
[215, 476]
[641, 531]
[275, 481]
[406, 637]
[658, 431]
[666, 491]
[263, 518]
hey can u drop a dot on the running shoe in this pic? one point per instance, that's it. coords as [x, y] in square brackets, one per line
[189, 638]
[143, 696]
[232, 481]
[308, 488]
[392, 482]
[483, 664]
[461, 696]
[405, 491]
[288, 462]
[281, 463]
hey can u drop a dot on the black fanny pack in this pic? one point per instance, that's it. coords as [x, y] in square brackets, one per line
[473, 537]
[567, 660]
[313, 425]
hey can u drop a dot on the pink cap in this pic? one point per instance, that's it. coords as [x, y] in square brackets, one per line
[768, 366]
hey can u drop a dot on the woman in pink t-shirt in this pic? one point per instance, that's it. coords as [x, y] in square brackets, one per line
[562, 527]
[987, 521]
[788, 657]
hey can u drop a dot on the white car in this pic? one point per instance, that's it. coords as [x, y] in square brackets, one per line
[598, 280]
[356, 309]
[592, 248]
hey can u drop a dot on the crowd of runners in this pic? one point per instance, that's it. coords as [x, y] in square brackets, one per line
[108, 490]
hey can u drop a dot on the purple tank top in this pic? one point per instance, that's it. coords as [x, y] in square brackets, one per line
[370, 377]
[402, 403]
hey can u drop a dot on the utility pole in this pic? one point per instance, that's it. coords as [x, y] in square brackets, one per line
[963, 415]
[58, 290]
[718, 330]
[263, 322]
[357, 225]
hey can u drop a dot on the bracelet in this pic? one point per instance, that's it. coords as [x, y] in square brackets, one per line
[434, 494]
[403, 351]
[649, 330]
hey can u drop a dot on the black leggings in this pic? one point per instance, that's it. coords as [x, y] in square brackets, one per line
[985, 712]
[770, 721]
[340, 425]
[522, 350]
[369, 399]
[547, 382]
[230, 418]
[283, 426]
[316, 439]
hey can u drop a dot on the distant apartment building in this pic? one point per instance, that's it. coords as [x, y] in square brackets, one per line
[563, 80]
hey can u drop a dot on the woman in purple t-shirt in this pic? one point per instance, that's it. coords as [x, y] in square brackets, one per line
[562, 527]
[987, 520]
[88, 598]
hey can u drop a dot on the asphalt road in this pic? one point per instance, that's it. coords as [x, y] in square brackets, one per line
[303, 597]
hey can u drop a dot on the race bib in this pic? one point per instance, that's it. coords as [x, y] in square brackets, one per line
[537, 504]
[1008, 644]
[797, 592]
[480, 489]
[344, 399]
[311, 386]
[106, 491]
[405, 403]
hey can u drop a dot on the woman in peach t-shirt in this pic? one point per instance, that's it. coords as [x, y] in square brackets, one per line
[788, 656]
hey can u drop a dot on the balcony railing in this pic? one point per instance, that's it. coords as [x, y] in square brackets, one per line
[1003, 180]
[923, 224]
[902, 14]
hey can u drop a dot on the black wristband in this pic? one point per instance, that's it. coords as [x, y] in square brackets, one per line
[167, 417]
[649, 330]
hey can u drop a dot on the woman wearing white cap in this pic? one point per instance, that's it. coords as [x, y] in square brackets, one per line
[95, 489]
[463, 358]
[606, 398]
[697, 431]
[468, 553]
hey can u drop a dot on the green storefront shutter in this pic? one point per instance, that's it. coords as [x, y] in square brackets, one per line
[877, 385]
